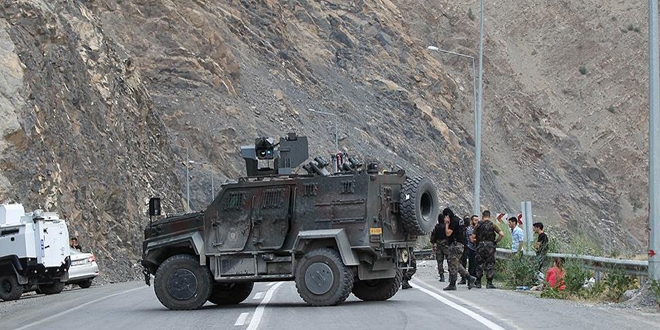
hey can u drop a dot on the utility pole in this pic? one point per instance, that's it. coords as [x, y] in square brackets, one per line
[480, 107]
[654, 134]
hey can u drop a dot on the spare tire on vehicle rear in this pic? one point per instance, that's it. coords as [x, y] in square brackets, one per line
[419, 205]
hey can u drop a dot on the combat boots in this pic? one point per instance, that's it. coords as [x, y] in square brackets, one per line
[451, 286]
[471, 282]
[405, 285]
[463, 281]
[442, 278]
[490, 285]
[477, 283]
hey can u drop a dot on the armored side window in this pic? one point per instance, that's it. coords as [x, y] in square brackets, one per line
[348, 187]
[234, 201]
[311, 189]
[273, 198]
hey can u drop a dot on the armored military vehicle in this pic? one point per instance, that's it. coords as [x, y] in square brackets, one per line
[333, 232]
[34, 252]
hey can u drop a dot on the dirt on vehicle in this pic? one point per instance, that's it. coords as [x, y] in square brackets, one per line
[334, 230]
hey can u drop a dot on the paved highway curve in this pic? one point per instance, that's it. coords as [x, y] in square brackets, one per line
[277, 306]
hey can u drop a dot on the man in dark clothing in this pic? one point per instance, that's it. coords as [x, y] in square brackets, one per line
[456, 243]
[471, 247]
[541, 245]
[439, 243]
[484, 236]
[464, 257]
[408, 274]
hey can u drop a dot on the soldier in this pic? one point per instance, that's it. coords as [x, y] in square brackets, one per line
[439, 241]
[456, 243]
[484, 235]
[408, 274]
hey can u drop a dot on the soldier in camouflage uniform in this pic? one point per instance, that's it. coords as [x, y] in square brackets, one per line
[484, 234]
[456, 243]
[408, 274]
[440, 247]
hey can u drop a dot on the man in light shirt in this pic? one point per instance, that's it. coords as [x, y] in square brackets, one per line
[516, 235]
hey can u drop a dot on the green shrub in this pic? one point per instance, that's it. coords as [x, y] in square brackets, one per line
[655, 289]
[470, 14]
[520, 271]
[553, 293]
[611, 109]
[574, 276]
[617, 282]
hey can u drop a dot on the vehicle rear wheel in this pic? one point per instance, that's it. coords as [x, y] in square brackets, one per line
[322, 279]
[182, 283]
[85, 284]
[52, 288]
[9, 288]
[378, 290]
[230, 293]
[419, 205]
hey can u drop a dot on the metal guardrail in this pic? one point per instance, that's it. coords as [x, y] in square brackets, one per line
[599, 265]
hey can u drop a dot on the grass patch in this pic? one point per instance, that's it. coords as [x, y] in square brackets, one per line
[655, 289]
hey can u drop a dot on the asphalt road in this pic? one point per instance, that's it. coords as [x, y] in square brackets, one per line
[277, 306]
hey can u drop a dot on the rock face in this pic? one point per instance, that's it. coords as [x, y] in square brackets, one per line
[104, 103]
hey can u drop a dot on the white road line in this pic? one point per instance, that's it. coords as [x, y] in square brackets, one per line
[241, 319]
[77, 308]
[258, 295]
[271, 283]
[508, 321]
[259, 312]
[459, 308]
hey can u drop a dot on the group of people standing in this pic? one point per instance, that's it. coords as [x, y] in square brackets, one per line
[469, 246]
[466, 242]
[479, 238]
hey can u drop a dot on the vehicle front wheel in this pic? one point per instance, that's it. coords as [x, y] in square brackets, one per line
[9, 288]
[182, 283]
[322, 279]
[85, 284]
[230, 293]
[53, 288]
[378, 290]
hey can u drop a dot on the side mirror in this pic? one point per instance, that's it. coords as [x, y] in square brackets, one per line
[154, 206]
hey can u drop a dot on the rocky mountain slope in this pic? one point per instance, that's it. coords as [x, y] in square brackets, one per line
[102, 102]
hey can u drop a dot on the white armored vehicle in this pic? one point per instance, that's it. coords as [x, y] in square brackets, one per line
[34, 252]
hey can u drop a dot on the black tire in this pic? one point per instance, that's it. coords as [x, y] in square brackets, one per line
[378, 290]
[9, 288]
[322, 279]
[419, 205]
[230, 293]
[52, 288]
[85, 284]
[181, 283]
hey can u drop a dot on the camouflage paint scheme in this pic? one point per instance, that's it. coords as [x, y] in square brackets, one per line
[259, 228]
